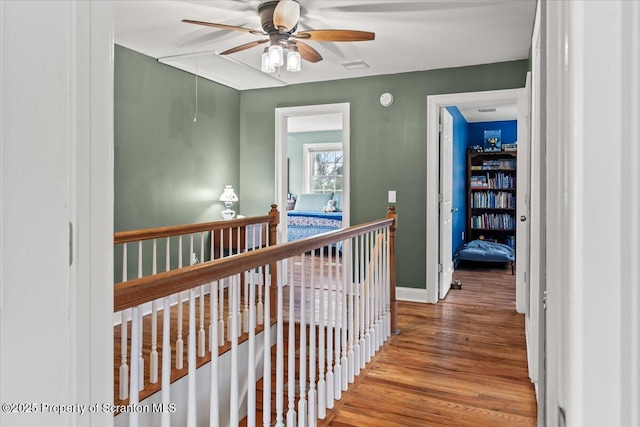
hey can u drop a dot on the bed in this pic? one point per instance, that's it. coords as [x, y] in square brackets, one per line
[308, 219]
[485, 251]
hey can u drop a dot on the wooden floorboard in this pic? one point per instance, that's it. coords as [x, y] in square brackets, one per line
[461, 362]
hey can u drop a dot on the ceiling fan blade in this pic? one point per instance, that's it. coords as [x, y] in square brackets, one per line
[224, 27]
[308, 53]
[244, 47]
[335, 35]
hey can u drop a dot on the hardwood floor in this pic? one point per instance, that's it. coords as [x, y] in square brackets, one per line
[461, 362]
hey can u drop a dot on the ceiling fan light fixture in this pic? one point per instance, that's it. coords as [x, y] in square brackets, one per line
[286, 15]
[267, 67]
[276, 55]
[293, 59]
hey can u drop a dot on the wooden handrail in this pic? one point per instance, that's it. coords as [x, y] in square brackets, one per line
[139, 291]
[176, 230]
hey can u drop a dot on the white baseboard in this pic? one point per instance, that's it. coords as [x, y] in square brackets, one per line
[411, 294]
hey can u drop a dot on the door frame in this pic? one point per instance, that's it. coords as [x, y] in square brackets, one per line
[282, 114]
[434, 103]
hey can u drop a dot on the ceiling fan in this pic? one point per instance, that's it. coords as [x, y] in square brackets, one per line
[279, 20]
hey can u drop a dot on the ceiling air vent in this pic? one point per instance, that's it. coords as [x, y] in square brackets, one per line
[486, 110]
[354, 65]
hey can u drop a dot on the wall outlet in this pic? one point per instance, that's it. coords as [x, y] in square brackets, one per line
[392, 196]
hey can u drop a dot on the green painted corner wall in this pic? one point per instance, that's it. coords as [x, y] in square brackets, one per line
[169, 169]
[388, 149]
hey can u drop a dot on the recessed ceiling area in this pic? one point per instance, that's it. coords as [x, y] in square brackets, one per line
[410, 35]
[489, 111]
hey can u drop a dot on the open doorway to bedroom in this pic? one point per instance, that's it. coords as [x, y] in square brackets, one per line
[312, 169]
[440, 255]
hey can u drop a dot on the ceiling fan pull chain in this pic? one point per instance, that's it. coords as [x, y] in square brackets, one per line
[196, 116]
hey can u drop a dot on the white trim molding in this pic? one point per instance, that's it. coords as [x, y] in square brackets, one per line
[411, 294]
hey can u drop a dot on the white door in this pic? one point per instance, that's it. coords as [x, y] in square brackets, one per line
[446, 206]
[523, 197]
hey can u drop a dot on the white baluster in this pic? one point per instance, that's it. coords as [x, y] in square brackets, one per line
[140, 358]
[245, 316]
[302, 401]
[280, 354]
[202, 342]
[330, 325]
[322, 390]
[371, 298]
[232, 309]
[344, 327]
[375, 330]
[388, 283]
[312, 397]
[179, 340]
[261, 271]
[291, 356]
[251, 375]
[367, 302]
[134, 387]
[214, 410]
[124, 367]
[337, 321]
[362, 304]
[239, 288]
[221, 314]
[234, 406]
[191, 361]
[266, 358]
[166, 358]
[153, 357]
[352, 325]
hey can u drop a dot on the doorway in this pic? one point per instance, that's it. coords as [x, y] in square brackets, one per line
[297, 116]
[437, 285]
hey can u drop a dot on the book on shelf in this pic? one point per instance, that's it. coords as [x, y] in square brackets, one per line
[478, 181]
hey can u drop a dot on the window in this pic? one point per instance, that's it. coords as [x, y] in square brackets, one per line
[323, 168]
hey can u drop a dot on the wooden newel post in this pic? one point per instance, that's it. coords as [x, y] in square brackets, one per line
[392, 268]
[273, 267]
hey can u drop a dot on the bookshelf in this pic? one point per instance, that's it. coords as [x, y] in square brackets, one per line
[491, 196]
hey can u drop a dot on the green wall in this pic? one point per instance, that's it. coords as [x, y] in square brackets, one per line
[387, 144]
[295, 153]
[169, 169]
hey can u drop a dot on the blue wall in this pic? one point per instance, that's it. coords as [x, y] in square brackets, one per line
[509, 130]
[459, 187]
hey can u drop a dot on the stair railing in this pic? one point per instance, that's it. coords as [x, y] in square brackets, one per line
[340, 308]
[145, 252]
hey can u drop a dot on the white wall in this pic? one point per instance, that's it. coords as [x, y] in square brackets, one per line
[56, 127]
[593, 198]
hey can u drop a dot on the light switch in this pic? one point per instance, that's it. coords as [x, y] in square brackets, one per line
[392, 196]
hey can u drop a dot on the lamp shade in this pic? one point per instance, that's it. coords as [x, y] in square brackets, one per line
[276, 55]
[267, 67]
[286, 15]
[293, 59]
[228, 196]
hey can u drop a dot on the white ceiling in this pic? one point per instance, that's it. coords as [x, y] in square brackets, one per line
[314, 123]
[411, 35]
[489, 111]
